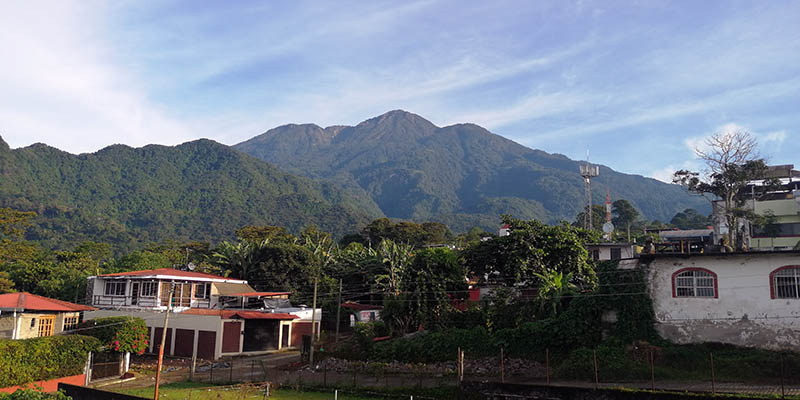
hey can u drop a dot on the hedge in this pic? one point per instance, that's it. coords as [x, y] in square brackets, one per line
[30, 360]
[122, 334]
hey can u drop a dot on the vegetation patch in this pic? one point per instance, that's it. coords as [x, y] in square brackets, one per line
[30, 360]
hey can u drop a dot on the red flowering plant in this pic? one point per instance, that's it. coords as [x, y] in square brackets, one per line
[122, 334]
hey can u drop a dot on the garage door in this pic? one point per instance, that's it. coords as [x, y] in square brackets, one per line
[231, 336]
[184, 342]
[206, 343]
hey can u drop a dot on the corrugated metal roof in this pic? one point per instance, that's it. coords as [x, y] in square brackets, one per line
[244, 314]
[169, 272]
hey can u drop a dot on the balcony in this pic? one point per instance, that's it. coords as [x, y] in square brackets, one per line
[147, 302]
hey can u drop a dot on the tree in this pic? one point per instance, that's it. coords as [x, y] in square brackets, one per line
[6, 284]
[532, 247]
[394, 257]
[732, 161]
[428, 282]
[598, 217]
[554, 286]
[624, 215]
[690, 219]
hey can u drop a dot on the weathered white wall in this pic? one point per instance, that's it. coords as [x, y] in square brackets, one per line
[743, 314]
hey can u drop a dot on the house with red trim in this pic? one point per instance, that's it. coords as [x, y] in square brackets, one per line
[742, 298]
[211, 316]
[25, 315]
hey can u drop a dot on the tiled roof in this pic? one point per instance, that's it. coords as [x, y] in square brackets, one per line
[244, 314]
[31, 302]
[168, 272]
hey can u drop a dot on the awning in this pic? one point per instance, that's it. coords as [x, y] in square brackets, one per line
[231, 289]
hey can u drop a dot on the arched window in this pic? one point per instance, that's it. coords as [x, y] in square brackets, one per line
[694, 282]
[784, 282]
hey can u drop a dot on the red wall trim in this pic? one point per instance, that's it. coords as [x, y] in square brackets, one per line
[772, 279]
[675, 274]
[48, 386]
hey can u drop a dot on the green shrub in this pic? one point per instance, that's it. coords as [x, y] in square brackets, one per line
[32, 394]
[122, 334]
[29, 360]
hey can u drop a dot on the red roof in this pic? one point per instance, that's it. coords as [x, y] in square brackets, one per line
[26, 301]
[360, 307]
[168, 271]
[259, 294]
[244, 314]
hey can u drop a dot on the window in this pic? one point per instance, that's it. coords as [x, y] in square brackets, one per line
[785, 282]
[694, 282]
[149, 289]
[616, 253]
[115, 288]
[46, 325]
[202, 290]
[595, 255]
[70, 323]
[780, 230]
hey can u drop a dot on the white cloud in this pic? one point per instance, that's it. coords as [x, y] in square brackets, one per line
[60, 87]
[777, 137]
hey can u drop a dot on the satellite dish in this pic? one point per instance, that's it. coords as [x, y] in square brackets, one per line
[191, 266]
[608, 227]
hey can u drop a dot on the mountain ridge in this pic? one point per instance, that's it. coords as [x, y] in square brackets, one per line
[458, 174]
[198, 190]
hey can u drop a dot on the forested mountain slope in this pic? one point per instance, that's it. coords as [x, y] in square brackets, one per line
[200, 190]
[462, 174]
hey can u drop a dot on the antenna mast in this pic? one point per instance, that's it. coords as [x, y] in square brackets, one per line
[588, 171]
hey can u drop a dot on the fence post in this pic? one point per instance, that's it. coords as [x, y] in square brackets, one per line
[783, 387]
[211, 372]
[713, 378]
[325, 375]
[355, 374]
[652, 371]
[458, 366]
[502, 366]
[230, 373]
[547, 364]
[385, 378]
[596, 378]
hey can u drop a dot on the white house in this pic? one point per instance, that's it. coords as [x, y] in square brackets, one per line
[610, 251]
[747, 299]
[213, 316]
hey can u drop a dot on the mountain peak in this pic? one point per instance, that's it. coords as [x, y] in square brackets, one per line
[399, 115]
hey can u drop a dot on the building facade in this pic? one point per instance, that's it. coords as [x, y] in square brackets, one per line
[211, 316]
[26, 316]
[747, 299]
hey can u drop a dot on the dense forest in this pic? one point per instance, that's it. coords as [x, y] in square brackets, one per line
[200, 190]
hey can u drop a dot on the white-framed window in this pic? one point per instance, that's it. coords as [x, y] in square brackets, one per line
[786, 283]
[115, 288]
[149, 289]
[202, 290]
[695, 282]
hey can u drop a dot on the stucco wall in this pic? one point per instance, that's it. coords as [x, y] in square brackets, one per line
[743, 313]
[7, 322]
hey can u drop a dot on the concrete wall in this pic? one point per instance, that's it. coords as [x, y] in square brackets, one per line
[155, 319]
[743, 312]
[7, 322]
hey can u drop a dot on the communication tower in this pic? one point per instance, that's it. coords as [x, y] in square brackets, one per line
[588, 171]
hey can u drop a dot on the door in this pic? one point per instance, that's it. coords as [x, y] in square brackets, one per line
[46, 324]
[134, 293]
[231, 336]
[284, 336]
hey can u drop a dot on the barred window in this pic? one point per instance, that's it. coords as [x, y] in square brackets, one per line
[786, 283]
[695, 283]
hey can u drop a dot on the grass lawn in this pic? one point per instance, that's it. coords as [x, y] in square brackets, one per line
[202, 391]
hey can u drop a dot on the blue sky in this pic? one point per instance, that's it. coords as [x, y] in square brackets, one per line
[637, 83]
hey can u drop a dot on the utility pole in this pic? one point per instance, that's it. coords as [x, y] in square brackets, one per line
[313, 321]
[338, 310]
[163, 340]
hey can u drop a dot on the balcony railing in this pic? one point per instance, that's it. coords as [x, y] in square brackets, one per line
[146, 302]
